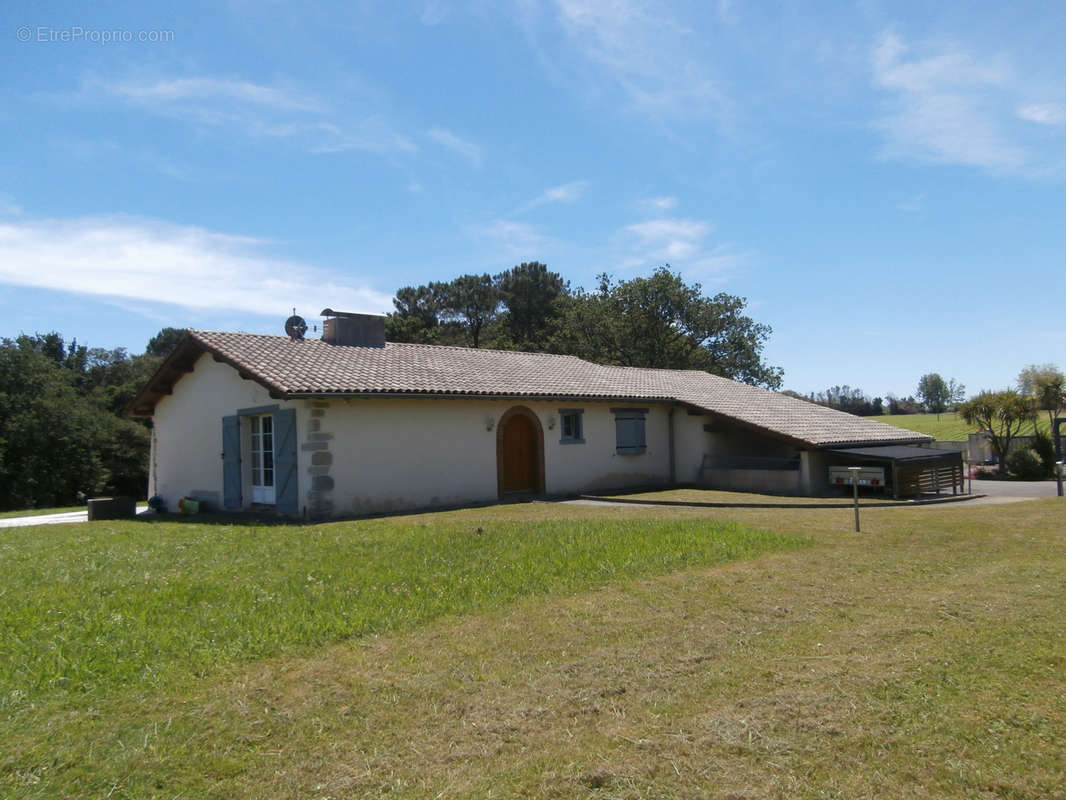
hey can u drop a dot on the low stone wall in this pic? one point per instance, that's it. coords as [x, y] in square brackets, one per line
[775, 481]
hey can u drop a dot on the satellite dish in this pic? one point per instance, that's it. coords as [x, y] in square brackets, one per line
[295, 327]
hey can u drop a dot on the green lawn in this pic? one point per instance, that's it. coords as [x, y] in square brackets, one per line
[540, 651]
[950, 427]
[94, 607]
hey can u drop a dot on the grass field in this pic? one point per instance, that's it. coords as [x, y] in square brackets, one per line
[950, 427]
[540, 650]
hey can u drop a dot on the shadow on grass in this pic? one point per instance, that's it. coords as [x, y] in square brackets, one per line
[259, 518]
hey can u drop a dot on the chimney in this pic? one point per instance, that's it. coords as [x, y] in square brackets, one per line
[353, 330]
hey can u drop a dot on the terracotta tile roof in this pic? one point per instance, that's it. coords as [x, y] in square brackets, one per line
[313, 367]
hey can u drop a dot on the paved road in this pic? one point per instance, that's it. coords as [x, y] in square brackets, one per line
[1013, 491]
[52, 519]
[997, 491]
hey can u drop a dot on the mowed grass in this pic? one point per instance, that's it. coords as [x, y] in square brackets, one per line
[950, 427]
[88, 608]
[925, 657]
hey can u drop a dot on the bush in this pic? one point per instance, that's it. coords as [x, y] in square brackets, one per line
[1045, 448]
[1026, 465]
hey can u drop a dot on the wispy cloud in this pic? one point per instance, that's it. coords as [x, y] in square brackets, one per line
[8, 207]
[134, 259]
[635, 47]
[254, 110]
[203, 89]
[912, 204]
[434, 13]
[670, 239]
[948, 105]
[563, 193]
[663, 203]
[467, 149]
[516, 240]
[680, 242]
[1043, 113]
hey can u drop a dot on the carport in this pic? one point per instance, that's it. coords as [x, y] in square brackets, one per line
[913, 470]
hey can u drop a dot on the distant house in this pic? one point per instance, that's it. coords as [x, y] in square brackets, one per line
[350, 424]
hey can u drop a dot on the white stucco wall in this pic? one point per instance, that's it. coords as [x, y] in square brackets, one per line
[187, 429]
[691, 442]
[362, 455]
[389, 454]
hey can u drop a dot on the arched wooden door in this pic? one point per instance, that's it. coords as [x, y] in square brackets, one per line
[519, 453]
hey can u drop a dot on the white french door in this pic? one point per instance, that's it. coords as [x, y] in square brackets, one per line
[263, 459]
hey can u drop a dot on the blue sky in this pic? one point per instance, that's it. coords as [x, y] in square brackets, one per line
[883, 181]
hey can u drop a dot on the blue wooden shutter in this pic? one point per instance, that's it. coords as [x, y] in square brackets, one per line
[287, 497]
[231, 461]
[629, 431]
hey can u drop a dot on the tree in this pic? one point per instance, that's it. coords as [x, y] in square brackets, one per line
[53, 437]
[470, 303]
[956, 394]
[658, 321]
[1002, 414]
[62, 435]
[164, 342]
[530, 294]
[851, 401]
[1045, 385]
[662, 322]
[416, 316]
[933, 393]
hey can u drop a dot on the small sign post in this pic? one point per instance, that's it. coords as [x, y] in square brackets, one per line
[1058, 451]
[855, 490]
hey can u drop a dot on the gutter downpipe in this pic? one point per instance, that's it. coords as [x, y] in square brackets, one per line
[673, 460]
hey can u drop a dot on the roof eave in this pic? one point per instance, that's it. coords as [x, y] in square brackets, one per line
[179, 363]
[917, 439]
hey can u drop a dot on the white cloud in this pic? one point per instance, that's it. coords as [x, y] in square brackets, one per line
[638, 47]
[200, 89]
[565, 193]
[134, 259]
[515, 239]
[434, 13]
[664, 203]
[8, 207]
[949, 106]
[468, 150]
[255, 110]
[1043, 113]
[681, 243]
[912, 204]
[670, 239]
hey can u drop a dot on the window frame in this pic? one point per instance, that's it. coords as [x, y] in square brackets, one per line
[579, 415]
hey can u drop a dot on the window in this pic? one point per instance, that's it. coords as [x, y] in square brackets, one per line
[629, 430]
[573, 431]
[262, 451]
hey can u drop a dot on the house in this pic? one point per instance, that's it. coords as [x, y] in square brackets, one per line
[349, 424]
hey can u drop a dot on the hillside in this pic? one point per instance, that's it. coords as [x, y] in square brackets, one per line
[950, 426]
